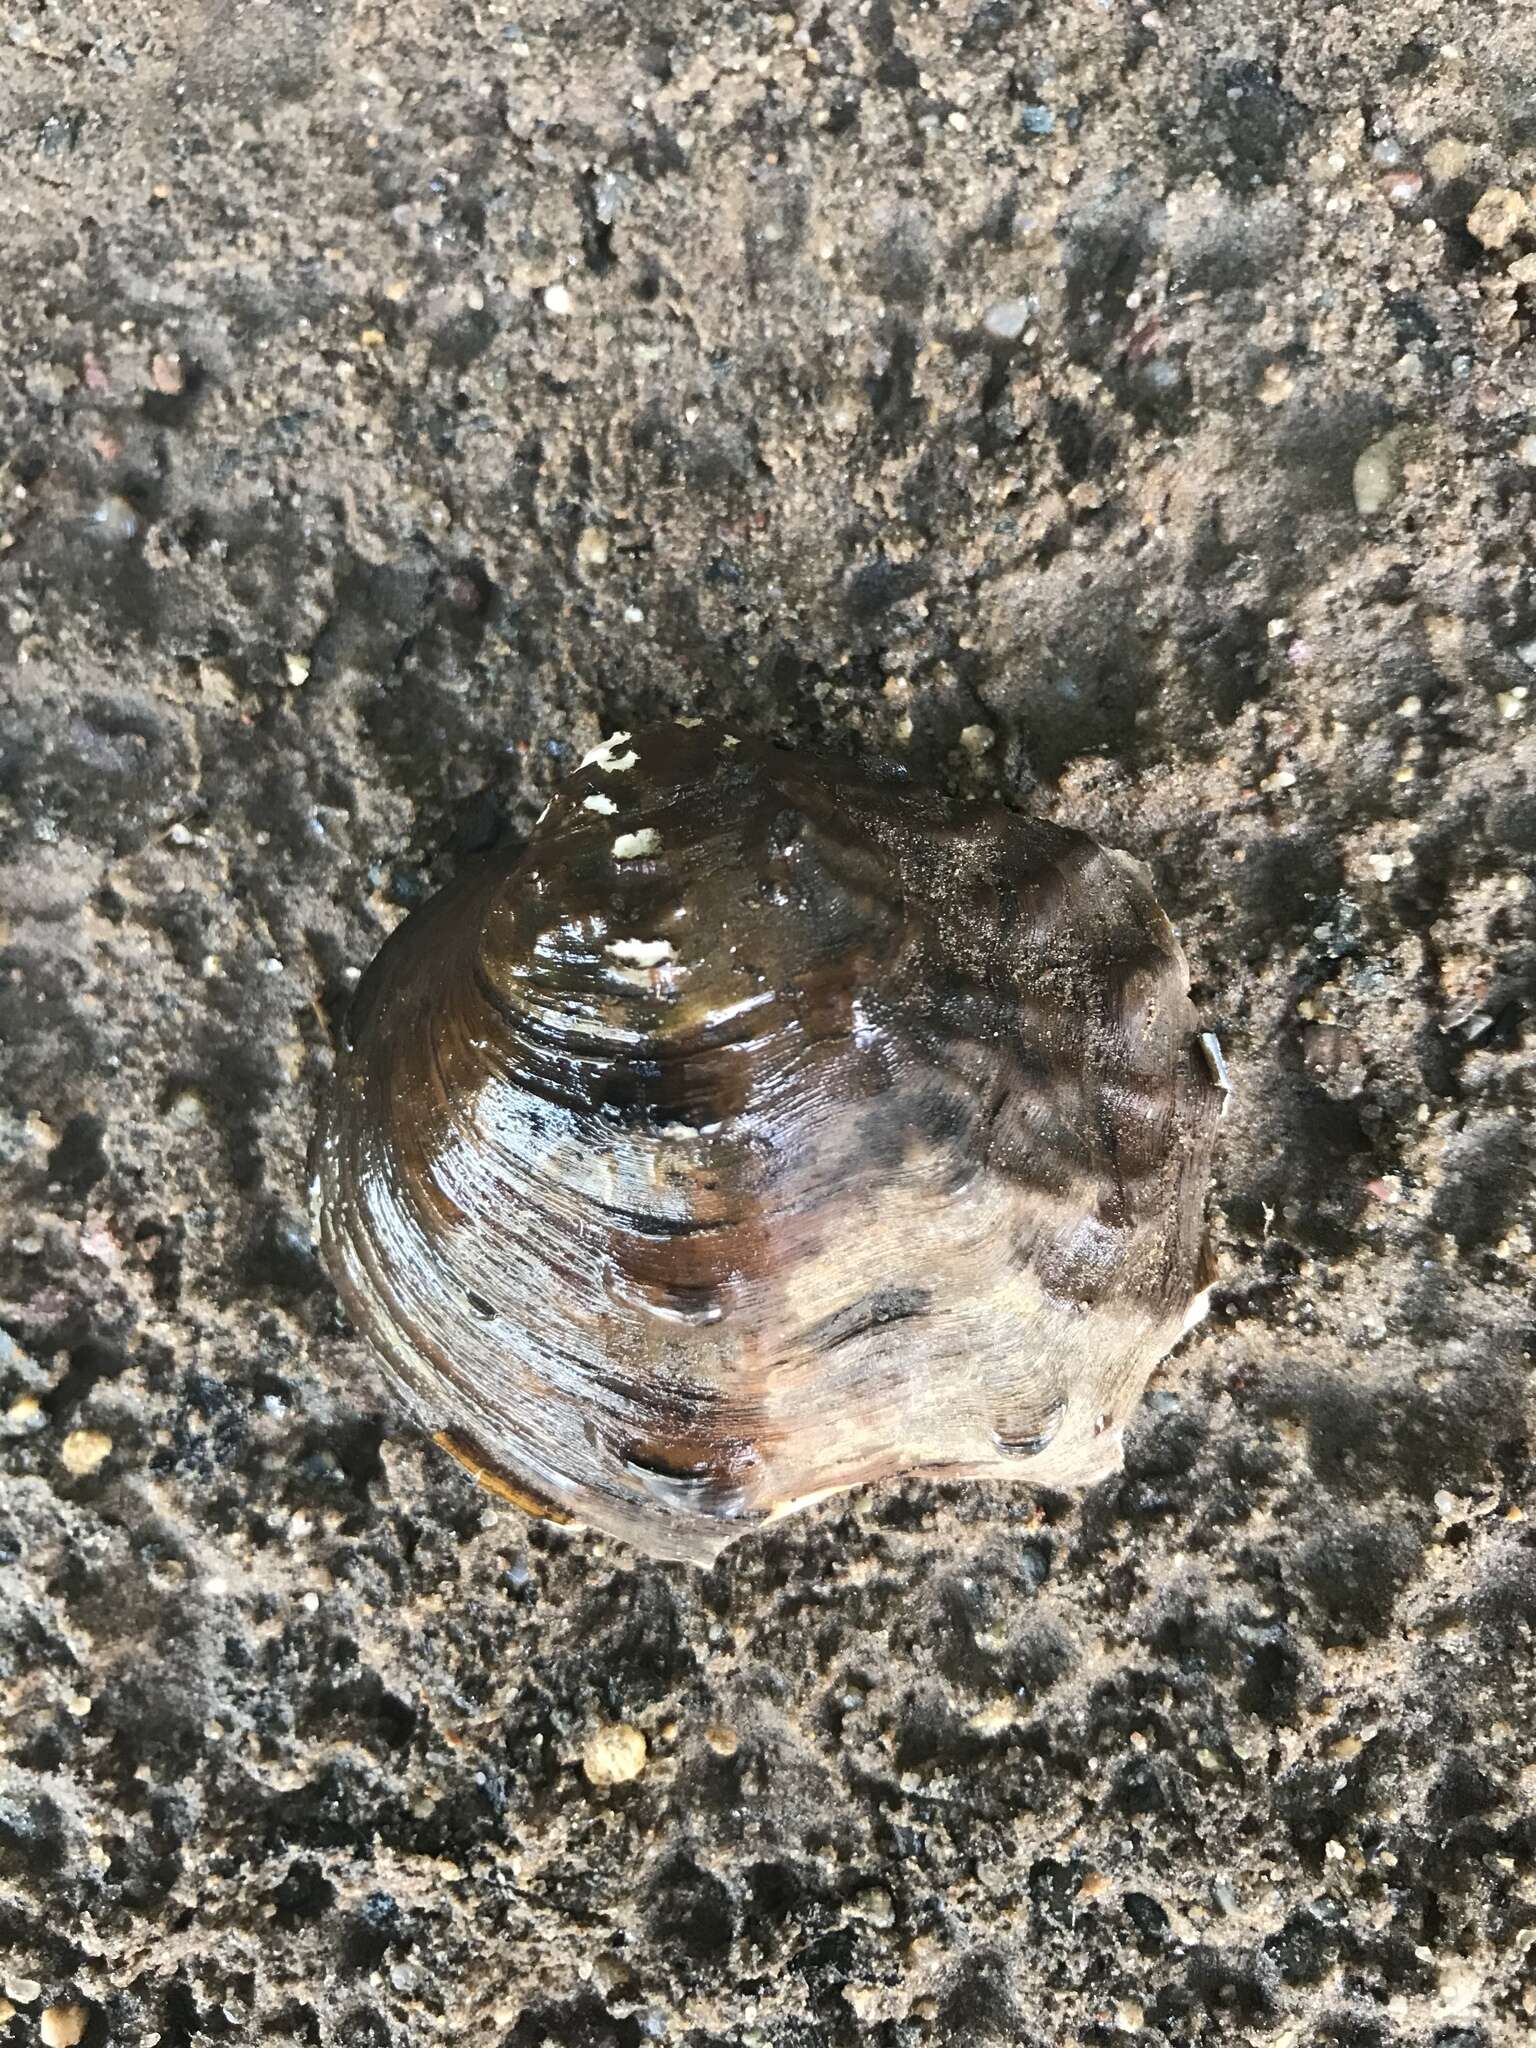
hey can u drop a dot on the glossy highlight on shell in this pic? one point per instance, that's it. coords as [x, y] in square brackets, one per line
[770, 1125]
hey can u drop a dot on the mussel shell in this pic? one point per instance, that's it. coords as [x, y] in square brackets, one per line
[770, 1125]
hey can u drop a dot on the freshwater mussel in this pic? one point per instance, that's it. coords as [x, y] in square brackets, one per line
[770, 1125]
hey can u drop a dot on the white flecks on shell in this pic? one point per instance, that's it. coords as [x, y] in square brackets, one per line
[635, 845]
[607, 757]
[642, 952]
[603, 805]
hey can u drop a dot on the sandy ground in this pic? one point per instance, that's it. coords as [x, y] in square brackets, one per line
[392, 400]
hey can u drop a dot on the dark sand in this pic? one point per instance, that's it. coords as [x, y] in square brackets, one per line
[1237, 1749]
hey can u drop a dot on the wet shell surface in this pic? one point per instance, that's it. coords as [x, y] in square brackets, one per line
[770, 1125]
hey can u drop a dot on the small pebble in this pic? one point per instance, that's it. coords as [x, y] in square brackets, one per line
[1334, 1057]
[558, 301]
[1379, 472]
[614, 1755]
[1448, 158]
[63, 2026]
[1498, 217]
[722, 1738]
[25, 1990]
[1525, 450]
[117, 519]
[1401, 187]
[185, 1110]
[876, 1906]
[168, 374]
[592, 548]
[84, 1450]
[1007, 320]
[296, 669]
[1276, 384]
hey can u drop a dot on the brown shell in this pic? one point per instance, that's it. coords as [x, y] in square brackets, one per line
[770, 1125]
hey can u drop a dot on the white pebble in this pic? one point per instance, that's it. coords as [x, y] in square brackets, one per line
[25, 1413]
[1379, 472]
[83, 1450]
[1007, 320]
[1498, 216]
[557, 300]
[614, 1755]
[117, 519]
